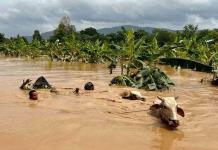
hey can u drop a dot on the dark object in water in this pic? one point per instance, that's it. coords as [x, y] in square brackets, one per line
[123, 81]
[215, 82]
[41, 83]
[215, 78]
[132, 95]
[33, 95]
[76, 91]
[25, 83]
[146, 77]
[89, 86]
[112, 66]
[188, 64]
[54, 90]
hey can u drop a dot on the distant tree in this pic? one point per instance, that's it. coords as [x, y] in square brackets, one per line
[164, 37]
[189, 31]
[2, 37]
[64, 30]
[140, 33]
[90, 34]
[111, 37]
[68, 27]
[121, 35]
[37, 36]
[20, 38]
[89, 31]
[203, 34]
[24, 39]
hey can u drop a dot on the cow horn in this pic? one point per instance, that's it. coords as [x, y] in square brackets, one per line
[160, 98]
[176, 97]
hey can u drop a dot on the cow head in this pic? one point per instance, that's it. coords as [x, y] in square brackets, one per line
[169, 109]
[27, 85]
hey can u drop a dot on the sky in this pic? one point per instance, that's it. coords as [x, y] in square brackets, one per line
[24, 16]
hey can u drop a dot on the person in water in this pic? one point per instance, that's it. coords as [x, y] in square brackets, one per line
[89, 86]
[33, 95]
[76, 91]
[40, 83]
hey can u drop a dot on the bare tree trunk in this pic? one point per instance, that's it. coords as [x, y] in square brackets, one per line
[121, 64]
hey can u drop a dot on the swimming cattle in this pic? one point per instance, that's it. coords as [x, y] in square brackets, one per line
[132, 95]
[167, 109]
[40, 83]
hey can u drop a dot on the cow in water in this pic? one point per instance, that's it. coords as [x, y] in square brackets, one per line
[167, 109]
[132, 95]
[40, 83]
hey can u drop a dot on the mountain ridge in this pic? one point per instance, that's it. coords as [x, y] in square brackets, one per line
[105, 31]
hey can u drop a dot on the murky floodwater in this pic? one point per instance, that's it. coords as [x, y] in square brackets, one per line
[96, 120]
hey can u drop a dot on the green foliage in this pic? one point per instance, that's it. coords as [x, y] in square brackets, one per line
[129, 49]
[147, 77]
[164, 37]
[189, 31]
[90, 34]
[140, 34]
[2, 38]
[65, 29]
[89, 31]
[124, 46]
[115, 38]
[37, 36]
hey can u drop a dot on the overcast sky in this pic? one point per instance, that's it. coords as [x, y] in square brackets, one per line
[24, 16]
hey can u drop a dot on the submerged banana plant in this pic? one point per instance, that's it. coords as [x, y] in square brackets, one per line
[144, 77]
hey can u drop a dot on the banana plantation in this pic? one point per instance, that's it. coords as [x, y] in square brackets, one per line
[136, 52]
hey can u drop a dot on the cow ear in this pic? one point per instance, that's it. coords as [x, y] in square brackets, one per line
[180, 111]
[155, 106]
[177, 97]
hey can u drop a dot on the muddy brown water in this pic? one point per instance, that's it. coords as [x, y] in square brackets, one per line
[97, 120]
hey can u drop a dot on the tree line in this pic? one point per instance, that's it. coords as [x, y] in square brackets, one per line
[92, 47]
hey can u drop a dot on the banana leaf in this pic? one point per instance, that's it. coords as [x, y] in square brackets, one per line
[123, 81]
[186, 63]
[148, 77]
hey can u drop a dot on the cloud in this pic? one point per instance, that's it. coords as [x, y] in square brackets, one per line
[24, 16]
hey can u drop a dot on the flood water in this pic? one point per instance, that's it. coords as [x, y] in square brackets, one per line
[100, 120]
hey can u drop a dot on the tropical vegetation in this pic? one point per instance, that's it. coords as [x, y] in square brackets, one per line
[126, 47]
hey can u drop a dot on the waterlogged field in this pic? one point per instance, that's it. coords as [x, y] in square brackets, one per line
[98, 120]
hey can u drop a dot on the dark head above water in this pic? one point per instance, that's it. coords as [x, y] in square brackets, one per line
[89, 86]
[168, 109]
[76, 91]
[33, 95]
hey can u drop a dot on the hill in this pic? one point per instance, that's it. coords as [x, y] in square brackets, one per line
[106, 31]
[118, 28]
[45, 35]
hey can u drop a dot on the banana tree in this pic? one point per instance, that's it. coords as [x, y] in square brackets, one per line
[129, 49]
[146, 77]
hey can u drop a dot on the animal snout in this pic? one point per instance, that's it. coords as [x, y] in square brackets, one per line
[173, 123]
